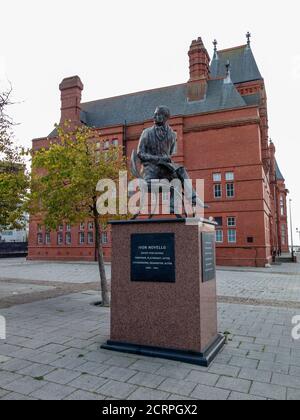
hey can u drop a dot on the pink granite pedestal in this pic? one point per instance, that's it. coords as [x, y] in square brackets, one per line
[174, 320]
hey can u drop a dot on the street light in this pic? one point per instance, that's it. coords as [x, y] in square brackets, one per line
[291, 223]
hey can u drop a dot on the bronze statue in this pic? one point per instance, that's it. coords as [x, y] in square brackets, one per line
[156, 146]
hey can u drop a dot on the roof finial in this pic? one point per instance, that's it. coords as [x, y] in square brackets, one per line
[227, 68]
[215, 45]
[227, 79]
[248, 36]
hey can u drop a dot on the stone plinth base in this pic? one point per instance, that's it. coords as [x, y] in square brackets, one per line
[173, 317]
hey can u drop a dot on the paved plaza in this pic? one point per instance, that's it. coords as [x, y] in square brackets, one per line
[54, 333]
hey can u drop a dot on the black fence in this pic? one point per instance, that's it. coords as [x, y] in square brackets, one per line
[13, 249]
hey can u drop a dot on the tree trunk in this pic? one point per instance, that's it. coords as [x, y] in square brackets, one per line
[101, 265]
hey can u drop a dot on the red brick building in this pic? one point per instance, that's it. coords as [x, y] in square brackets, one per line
[221, 119]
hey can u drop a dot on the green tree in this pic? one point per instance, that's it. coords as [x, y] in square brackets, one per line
[13, 174]
[64, 180]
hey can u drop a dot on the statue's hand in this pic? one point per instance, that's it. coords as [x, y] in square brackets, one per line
[166, 159]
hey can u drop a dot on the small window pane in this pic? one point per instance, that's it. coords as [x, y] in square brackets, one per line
[217, 177]
[61, 228]
[40, 228]
[106, 145]
[81, 238]
[40, 239]
[82, 226]
[230, 190]
[219, 236]
[47, 238]
[218, 191]
[231, 222]
[115, 142]
[104, 238]
[68, 238]
[59, 239]
[232, 236]
[229, 176]
[90, 237]
[90, 226]
[68, 227]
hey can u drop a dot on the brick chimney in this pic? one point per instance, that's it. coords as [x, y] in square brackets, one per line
[71, 89]
[199, 71]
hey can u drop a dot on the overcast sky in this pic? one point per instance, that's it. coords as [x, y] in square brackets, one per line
[122, 46]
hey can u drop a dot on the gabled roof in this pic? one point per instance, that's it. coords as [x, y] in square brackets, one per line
[242, 64]
[279, 175]
[140, 106]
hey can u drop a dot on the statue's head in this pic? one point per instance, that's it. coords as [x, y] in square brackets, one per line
[161, 115]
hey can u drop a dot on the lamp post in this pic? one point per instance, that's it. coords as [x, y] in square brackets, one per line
[291, 223]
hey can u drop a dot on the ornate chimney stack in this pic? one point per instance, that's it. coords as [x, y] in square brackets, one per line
[199, 71]
[71, 89]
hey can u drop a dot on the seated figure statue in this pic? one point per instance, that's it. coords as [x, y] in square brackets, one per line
[156, 146]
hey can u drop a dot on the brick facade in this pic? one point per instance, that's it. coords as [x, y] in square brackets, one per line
[222, 129]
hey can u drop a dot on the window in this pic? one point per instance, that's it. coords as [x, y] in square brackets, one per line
[282, 208]
[230, 190]
[283, 235]
[232, 236]
[106, 145]
[91, 226]
[250, 240]
[98, 145]
[48, 238]
[68, 227]
[90, 237]
[40, 239]
[82, 226]
[115, 142]
[68, 238]
[217, 177]
[104, 238]
[81, 238]
[61, 228]
[218, 191]
[219, 220]
[231, 222]
[219, 236]
[229, 176]
[60, 238]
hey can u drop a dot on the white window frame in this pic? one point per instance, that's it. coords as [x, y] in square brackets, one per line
[81, 238]
[222, 233]
[228, 223]
[227, 195]
[68, 238]
[47, 238]
[215, 186]
[104, 235]
[90, 235]
[60, 241]
[40, 239]
[229, 176]
[217, 177]
[230, 240]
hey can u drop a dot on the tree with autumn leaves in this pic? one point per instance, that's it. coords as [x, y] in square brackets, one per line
[14, 178]
[64, 180]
